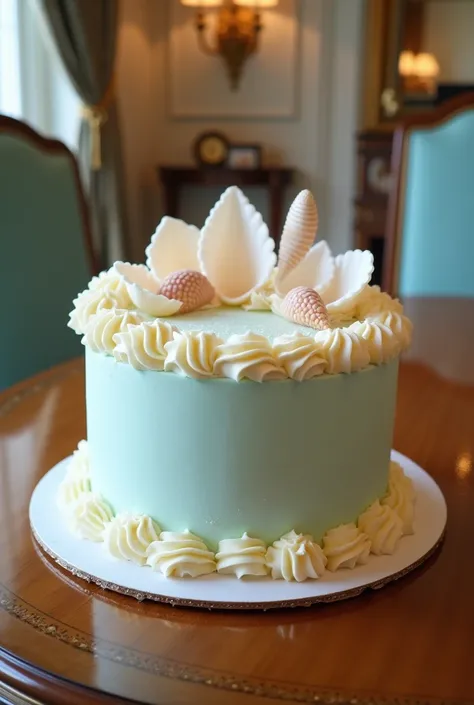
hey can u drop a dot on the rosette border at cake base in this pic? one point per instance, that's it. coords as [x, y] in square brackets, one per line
[86, 560]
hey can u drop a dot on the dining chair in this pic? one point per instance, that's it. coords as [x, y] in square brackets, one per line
[430, 228]
[46, 254]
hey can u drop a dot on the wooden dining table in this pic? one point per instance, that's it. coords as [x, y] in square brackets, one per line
[63, 640]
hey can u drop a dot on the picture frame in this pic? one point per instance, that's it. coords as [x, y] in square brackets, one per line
[244, 156]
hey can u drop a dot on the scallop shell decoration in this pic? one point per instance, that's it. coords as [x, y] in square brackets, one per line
[235, 251]
[142, 287]
[173, 246]
[299, 233]
[353, 271]
[192, 288]
[305, 306]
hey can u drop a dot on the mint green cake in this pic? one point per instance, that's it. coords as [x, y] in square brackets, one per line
[240, 410]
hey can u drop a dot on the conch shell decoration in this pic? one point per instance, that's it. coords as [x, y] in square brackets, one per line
[235, 250]
[192, 288]
[339, 281]
[299, 233]
[305, 306]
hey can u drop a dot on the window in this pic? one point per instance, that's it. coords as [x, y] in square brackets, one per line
[10, 93]
[34, 85]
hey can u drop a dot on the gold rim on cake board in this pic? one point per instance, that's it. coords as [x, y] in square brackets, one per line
[140, 596]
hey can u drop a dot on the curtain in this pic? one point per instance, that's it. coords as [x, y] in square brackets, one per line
[85, 32]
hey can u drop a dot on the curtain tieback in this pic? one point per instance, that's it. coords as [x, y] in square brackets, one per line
[96, 116]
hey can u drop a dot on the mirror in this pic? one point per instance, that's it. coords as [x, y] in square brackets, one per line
[429, 51]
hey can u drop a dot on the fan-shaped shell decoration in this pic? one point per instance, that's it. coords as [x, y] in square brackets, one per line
[192, 288]
[235, 250]
[353, 272]
[173, 246]
[299, 232]
[305, 306]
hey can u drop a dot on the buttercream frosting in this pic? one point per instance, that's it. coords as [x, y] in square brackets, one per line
[240, 557]
[128, 537]
[248, 356]
[143, 346]
[400, 325]
[106, 291]
[101, 328]
[192, 354]
[343, 350]
[374, 301]
[77, 479]
[259, 301]
[299, 356]
[383, 526]
[180, 554]
[383, 344]
[105, 311]
[89, 515]
[345, 547]
[111, 283]
[401, 497]
[296, 557]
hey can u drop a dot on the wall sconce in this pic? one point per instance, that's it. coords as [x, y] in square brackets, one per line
[239, 24]
[419, 71]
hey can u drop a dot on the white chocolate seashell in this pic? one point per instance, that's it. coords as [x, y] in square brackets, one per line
[190, 287]
[305, 306]
[299, 233]
[235, 250]
[352, 274]
[143, 288]
[173, 246]
[315, 270]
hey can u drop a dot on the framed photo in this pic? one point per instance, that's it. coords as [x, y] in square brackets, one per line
[244, 156]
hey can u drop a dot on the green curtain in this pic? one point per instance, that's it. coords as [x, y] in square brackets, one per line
[85, 32]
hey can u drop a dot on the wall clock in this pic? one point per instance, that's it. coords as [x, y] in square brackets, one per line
[211, 149]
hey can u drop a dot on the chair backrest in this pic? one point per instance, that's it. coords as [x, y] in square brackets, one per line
[46, 254]
[430, 229]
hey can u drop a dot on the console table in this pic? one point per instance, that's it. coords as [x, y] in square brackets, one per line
[274, 179]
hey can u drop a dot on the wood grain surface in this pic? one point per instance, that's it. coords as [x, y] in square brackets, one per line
[63, 640]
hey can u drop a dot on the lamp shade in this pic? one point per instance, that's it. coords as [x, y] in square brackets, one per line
[426, 66]
[202, 3]
[256, 3]
[406, 63]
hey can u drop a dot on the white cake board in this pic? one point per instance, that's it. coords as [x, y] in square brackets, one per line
[89, 561]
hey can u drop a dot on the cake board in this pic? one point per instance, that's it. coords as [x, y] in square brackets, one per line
[89, 561]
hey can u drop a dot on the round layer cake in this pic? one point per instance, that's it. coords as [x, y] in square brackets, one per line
[239, 415]
[220, 457]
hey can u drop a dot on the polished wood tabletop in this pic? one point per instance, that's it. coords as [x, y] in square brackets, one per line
[63, 640]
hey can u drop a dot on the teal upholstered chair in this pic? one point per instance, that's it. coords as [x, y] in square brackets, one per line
[430, 235]
[45, 251]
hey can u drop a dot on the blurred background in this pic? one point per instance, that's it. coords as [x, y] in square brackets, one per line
[175, 99]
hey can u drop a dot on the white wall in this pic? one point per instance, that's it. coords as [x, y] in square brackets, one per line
[449, 35]
[318, 142]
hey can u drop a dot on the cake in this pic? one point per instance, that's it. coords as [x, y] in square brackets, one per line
[240, 409]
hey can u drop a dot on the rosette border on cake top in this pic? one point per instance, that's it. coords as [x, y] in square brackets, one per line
[335, 322]
[179, 553]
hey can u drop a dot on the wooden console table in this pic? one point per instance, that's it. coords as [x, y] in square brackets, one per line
[274, 179]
